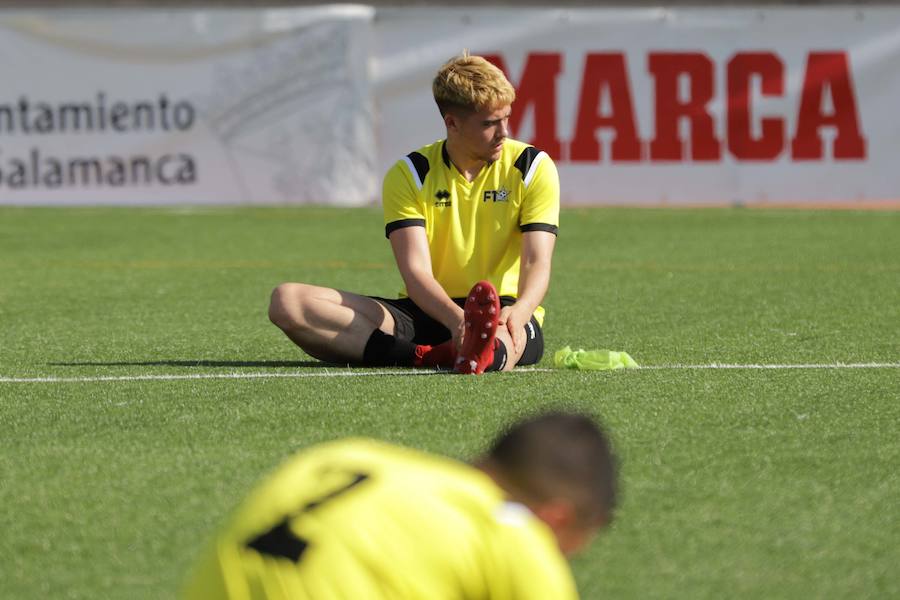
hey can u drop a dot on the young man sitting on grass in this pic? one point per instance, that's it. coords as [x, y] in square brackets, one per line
[472, 221]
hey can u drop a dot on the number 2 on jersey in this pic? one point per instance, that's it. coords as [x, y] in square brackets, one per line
[281, 541]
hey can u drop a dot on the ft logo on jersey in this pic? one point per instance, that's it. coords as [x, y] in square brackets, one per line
[501, 195]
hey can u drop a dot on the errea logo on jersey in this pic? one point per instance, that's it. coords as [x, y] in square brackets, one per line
[443, 198]
[501, 195]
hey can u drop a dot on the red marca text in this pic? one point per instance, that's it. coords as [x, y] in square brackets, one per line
[826, 73]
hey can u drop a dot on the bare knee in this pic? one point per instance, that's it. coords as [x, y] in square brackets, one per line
[288, 304]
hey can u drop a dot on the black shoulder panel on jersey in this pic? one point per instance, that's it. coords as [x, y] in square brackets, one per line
[539, 227]
[395, 225]
[420, 163]
[523, 163]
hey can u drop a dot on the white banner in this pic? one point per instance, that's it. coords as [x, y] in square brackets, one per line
[670, 106]
[186, 106]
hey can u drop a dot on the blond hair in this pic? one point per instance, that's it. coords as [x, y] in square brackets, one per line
[471, 83]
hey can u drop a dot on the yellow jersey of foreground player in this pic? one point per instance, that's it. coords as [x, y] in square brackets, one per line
[361, 519]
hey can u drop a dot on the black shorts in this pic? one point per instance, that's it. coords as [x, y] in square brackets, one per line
[411, 323]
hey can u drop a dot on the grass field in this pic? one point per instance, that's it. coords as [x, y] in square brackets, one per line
[740, 482]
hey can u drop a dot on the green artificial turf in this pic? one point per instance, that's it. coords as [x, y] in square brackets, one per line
[749, 483]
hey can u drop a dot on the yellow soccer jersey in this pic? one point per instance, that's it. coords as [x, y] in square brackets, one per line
[364, 520]
[474, 228]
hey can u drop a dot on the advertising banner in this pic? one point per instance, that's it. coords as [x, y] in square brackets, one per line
[186, 106]
[681, 106]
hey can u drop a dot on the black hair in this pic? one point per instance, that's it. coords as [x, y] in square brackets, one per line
[560, 454]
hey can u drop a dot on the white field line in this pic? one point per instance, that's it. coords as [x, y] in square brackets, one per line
[869, 365]
[323, 373]
[404, 372]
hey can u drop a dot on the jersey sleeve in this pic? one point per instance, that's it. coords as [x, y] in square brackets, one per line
[402, 207]
[540, 206]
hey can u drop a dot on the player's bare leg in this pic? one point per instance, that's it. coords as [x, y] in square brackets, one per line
[328, 324]
[512, 355]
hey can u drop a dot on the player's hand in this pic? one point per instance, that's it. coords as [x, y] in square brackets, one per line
[514, 321]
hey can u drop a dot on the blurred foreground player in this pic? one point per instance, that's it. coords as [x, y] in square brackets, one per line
[472, 222]
[366, 520]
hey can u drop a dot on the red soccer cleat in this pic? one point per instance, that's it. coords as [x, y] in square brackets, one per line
[482, 311]
[443, 355]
